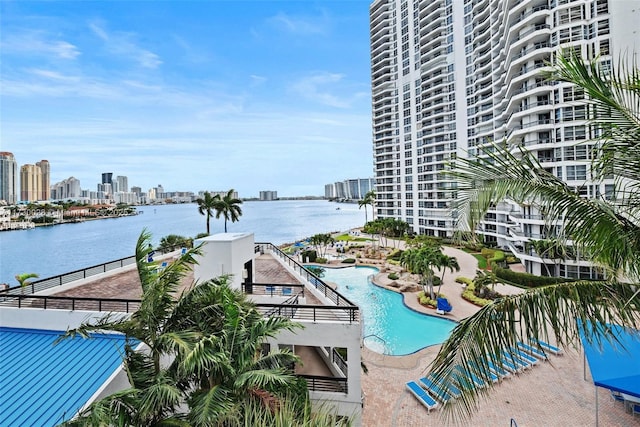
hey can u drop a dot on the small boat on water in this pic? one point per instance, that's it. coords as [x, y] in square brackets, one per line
[337, 208]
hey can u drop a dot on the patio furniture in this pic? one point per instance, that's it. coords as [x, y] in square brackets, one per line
[547, 347]
[422, 395]
[443, 306]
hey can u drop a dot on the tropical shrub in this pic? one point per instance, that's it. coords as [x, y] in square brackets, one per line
[321, 260]
[464, 280]
[426, 301]
[393, 276]
[469, 295]
[309, 256]
[395, 255]
[512, 259]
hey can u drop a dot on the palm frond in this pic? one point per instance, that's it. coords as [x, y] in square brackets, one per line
[541, 313]
[263, 378]
[209, 406]
[587, 222]
[159, 399]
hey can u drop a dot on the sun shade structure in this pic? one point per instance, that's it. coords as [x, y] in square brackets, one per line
[42, 384]
[615, 366]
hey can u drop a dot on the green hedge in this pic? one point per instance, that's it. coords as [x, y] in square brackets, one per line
[498, 257]
[320, 260]
[349, 261]
[464, 280]
[469, 295]
[424, 299]
[525, 279]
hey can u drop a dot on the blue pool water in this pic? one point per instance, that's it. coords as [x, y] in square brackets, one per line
[390, 327]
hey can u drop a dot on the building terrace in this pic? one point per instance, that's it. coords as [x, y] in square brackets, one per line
[277, 284]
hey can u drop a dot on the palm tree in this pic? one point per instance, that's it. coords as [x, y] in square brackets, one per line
[172, 242]
[447, 262]
[211, 336]
[206, 206]
[590, 224]
[321, 242]
[229, 208]
[369, 199]
[23, 280]
[422, 260]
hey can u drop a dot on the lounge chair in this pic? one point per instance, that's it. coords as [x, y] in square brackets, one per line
[547, 347]
[439, 392]
[524, 356]
[635, 409]
[502, 373]
[450, 388]
[616, 396]
[443, 306]
[536, 352]
[510, 366]
[477, 382]
[183, 251]
[514, 358]
[490, 373]
[270, 289]
[286, 291]
[422, 395]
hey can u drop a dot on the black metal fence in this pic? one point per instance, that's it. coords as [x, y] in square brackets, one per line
[329, 384]
[63, 279]
[337, 359]
[329, 293]
[49, 302]
[314, 313]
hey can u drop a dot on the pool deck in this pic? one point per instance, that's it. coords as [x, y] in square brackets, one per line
[550, 394]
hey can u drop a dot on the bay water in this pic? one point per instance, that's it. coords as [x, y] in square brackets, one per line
[52, 250]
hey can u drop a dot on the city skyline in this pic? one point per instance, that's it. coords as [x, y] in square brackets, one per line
[244, 95]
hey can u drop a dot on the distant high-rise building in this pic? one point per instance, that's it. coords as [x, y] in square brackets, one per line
[107, 177]
[67, 189]
[136, 190]
[30, 183]
[45, 170]
[123, 183]
[105, 189]
[354, 189]
[268, 195]
[8, 178]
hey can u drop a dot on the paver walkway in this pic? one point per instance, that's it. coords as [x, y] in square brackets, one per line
[550, 394]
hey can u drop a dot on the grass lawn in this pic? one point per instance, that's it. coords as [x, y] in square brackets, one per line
[350, 238]
[482, 261]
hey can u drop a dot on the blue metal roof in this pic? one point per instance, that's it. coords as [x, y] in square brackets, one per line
[42, 384]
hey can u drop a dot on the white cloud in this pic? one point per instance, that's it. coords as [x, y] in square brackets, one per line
[122, 44]
[257, 80]
[299, 25]
[319, 87]
[37, 43]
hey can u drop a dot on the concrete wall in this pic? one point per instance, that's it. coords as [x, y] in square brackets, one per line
[224, 253]
[51, 320]
[332, 334]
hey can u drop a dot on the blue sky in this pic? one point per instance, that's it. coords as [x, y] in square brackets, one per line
[193, 95]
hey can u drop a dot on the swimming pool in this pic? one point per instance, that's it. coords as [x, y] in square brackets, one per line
[390, 327]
